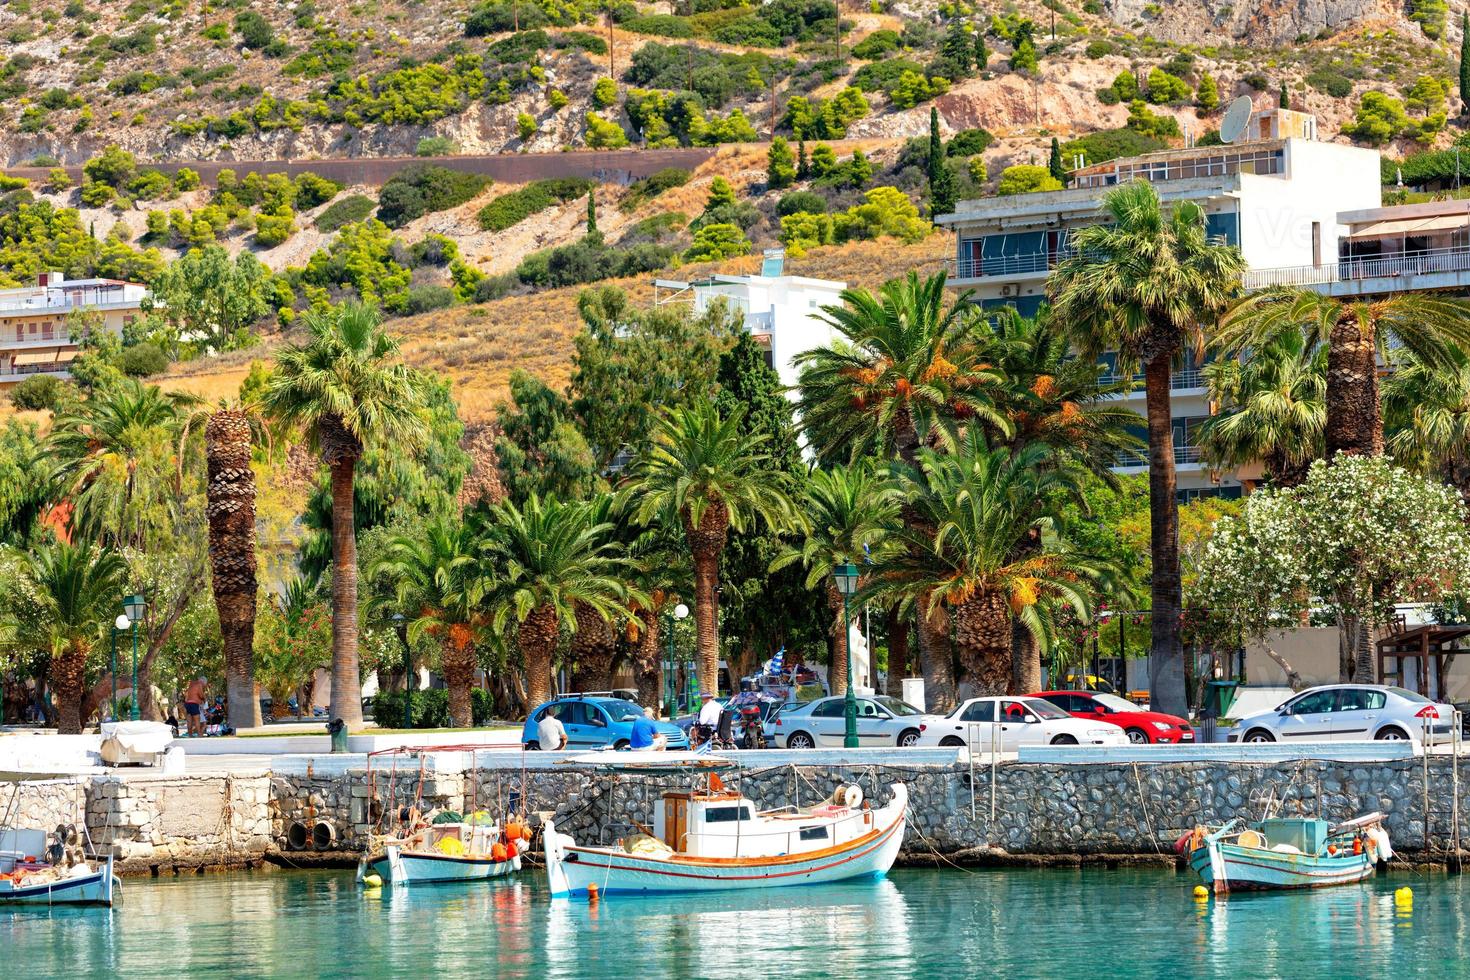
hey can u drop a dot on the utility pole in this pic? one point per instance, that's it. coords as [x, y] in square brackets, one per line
[612, 70]
[773, 105]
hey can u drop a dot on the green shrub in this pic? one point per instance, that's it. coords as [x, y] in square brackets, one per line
[352, 208]
[1100, 48]
[186, 179]
[497, 18]
[424, 299]
[1164, 88]
[966, 143]
[605, 93]
[1026, 179]
[142, 360]
[1149, 123]
[661, 25]
[717, 241]
[582, 40]
[1109, 144]
[1378, 119]
[801, 201]
[274, 227]
[254, 30]
[41, 393]
[604, 134]
[430, 708]
[876, 45]
[436, 146]
[1333, 83]
[590, 260]
[511, 209]
[423, 188]
[647, 188]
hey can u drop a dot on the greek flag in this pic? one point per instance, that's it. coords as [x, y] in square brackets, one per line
[773, 666]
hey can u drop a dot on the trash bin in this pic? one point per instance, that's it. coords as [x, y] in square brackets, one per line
[1220, 696]
[337, 728]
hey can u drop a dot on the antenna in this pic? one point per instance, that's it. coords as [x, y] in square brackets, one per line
[1237, 118]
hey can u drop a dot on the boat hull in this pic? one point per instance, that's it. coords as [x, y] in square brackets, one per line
[1229, 868]
[571, 869]
[92, 889]
[398, 867]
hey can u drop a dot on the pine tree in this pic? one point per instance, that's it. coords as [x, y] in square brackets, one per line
[982, 53]
[941, 178]
[1283, 100]
[803, 168]
[955, 48]
[591, 214]
[780, 166]
[1465, 63]
[1054, 164]
[1208, 93]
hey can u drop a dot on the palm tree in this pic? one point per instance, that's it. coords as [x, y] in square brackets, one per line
[1357, 334]
[346, 389]
[67, 597]
[1142, 284]
[705, 474]
[1272, 409]
[1427, 414]
[850, 513]
[542, 559]
[435, 576]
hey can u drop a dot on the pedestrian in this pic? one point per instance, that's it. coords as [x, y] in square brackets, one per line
[194, 704]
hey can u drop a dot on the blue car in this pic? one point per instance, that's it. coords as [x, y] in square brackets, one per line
[595, 723]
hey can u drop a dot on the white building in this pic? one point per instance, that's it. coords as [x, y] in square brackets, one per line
[35, 334]
[783, 313]
[1276, 194]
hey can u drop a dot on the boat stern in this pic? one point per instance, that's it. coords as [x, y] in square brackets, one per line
[556, 845]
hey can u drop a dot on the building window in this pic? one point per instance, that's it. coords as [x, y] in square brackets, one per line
[1202, 493]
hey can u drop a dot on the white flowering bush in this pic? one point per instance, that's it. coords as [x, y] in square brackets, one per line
[1359, 535]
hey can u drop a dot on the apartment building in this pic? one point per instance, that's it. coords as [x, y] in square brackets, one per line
[35, 329]
[1277, 193]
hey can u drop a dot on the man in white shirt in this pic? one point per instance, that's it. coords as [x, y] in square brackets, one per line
[551, 735]
[709, 710]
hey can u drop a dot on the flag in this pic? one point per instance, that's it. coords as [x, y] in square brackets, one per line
[773, 666]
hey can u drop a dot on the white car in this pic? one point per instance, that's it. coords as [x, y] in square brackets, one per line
[881, 720]
[1349, 712]
[1015, 722]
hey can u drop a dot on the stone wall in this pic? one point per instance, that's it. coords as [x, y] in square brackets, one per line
[154, 823]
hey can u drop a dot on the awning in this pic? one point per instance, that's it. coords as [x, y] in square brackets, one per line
[35, 357]
[66, 356]
[1411, 226]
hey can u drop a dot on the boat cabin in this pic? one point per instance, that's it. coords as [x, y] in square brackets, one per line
[723, 824]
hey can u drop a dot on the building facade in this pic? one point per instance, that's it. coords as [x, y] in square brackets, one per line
[36, 322]
[1277, 194]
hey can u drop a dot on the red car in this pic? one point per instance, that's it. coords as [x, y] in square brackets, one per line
[1142, 727]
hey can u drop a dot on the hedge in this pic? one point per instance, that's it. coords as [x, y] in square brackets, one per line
[430, 708]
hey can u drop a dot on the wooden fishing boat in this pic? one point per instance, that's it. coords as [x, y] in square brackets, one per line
[27, 877]
[1287, 853]
[471, 850]
[713, 838]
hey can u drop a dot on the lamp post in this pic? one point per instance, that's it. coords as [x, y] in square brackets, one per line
[847, 583]
[119, 625]
[677, 613]
[134, 607]
[408, 678]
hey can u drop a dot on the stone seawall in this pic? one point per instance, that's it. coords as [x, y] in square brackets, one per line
[155, 824]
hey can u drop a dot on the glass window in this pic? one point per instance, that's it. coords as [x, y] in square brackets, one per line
[829, 709]
[1044, 709]
[1360, 699]
[726, 814]
[1409, 695]
[900, 708]
[814, 833]
[618, 709]
[979, 711]
[867, 709]
[1315, 703]
[1114, 702]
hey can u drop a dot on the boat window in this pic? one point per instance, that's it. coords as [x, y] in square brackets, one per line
[726, 814]
[814, 833]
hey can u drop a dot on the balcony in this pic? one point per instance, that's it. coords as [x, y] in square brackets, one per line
[1353, 274]
[46, 338]
[761, 323]
[1184, 455]
[1001, 267]
[1187, 378]
[13, 374]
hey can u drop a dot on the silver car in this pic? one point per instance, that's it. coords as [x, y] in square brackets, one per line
[1349, 712]
[881, 720]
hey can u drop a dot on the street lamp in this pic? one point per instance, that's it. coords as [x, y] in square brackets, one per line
[133, 608]
[679, 612]
[408, 678]
[847, 583]
[119, 625]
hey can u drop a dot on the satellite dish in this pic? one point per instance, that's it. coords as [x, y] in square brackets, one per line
[1237, 118]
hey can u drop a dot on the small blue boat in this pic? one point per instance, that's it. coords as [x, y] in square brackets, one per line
[29, 877]
[1287, 852]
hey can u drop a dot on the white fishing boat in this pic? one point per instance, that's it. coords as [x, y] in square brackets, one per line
[713, 838]
[1286, 852]
[29, 876]
[470, 850]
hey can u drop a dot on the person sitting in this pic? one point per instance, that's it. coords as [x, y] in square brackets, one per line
[646, 734]
[551, 736]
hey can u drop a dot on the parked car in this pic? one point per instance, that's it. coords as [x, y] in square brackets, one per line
[881, 720]
[595, 723]
[1348, 712]
[1015, 721]
[1141, 727]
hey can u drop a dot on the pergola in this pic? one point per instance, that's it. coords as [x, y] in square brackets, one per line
[1422, 643]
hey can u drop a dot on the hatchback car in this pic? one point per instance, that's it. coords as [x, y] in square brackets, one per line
[595, 723]
[1349, 712]
[1141, 727]
[1013, 722]
[881, 720]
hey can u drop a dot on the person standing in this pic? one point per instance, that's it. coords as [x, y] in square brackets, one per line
[194, 704]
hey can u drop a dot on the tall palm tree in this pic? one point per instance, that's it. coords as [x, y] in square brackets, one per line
[850, 514]
[542, 559]
[1357, 335]
[436, 576]
[705, 474]
[67, 597]
[1427, 417]
[1142, 283]
[1272, 408]
[346, 388]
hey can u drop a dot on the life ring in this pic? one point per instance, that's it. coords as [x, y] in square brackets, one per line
[850, 796]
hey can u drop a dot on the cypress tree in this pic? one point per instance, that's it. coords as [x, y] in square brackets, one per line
[1465, 62]
[1284, 101]
[941, 179]
[982, 54]
[803, 168]
[591, 214]
[780, 167]
[1055, 163]
[955, 48]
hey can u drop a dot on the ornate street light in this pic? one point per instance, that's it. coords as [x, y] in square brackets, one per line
[846, 577]
[677, 613]
[134, 607]
[119, 625]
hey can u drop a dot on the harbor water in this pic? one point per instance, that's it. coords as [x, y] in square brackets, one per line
[916, 923]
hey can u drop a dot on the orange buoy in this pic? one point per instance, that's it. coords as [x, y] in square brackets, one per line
[1357, 845]
[592, 891]
[1332, 849]
[513, 830]
[511, 850]
[498, 852]
[525, 831]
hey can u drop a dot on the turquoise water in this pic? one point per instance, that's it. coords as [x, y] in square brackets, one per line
[1090, 923]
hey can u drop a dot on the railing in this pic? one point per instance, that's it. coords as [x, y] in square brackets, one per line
[27, 370]
[1427, 262]
[760, 322]
[1182, 454]
[44, 337]
[1188, 378]
[63, 298]
[1222, 164]
[1008, 265]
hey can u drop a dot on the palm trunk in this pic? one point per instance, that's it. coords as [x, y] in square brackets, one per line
[646, 659]
[1166, 658]
[67, 680]
[706, 543]
[231, 513]
[592, 650]
[1025, 659]
[897, 629]
[837, 672]
[346, 686]
[537, 638]
[983, 636]
[934, 650]
[458, 661]
[1354, 420]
